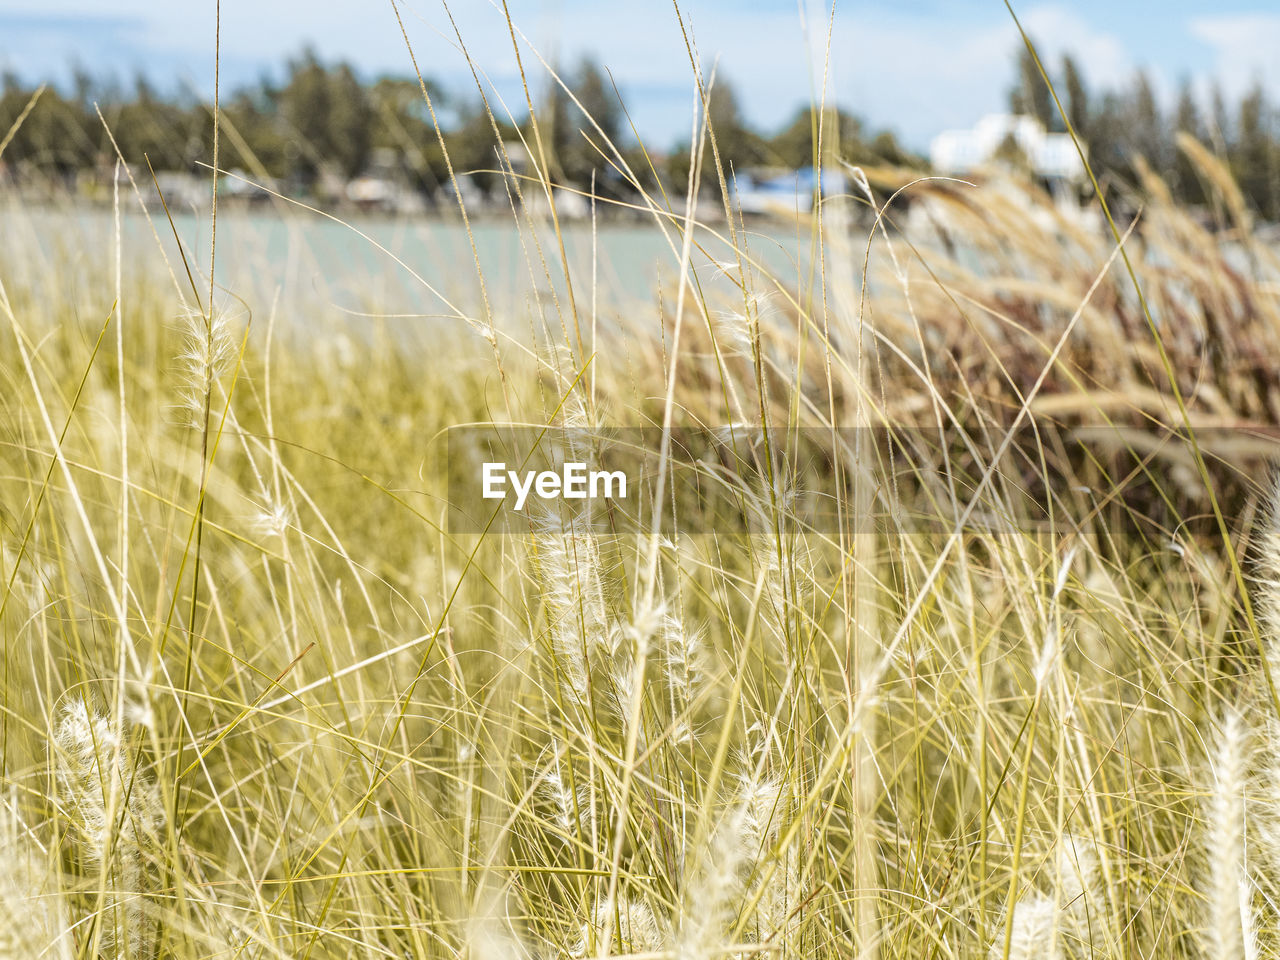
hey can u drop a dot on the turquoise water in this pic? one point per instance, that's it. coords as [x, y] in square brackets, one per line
[402, 270]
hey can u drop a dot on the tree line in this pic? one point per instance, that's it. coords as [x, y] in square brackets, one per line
[1126, 126]
[324, 119]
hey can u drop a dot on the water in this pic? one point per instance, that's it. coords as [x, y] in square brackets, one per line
[404, 271]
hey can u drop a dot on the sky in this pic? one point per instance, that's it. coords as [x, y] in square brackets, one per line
[916, 67]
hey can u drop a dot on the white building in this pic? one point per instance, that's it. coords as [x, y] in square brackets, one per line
[1052, 155]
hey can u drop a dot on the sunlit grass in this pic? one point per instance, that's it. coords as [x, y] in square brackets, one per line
[259, 700]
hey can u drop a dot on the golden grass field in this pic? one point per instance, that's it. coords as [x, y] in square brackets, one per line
[259, 701]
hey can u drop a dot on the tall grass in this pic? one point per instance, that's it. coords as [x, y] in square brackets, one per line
[347, 731]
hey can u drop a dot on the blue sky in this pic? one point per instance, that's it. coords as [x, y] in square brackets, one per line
[914, 66]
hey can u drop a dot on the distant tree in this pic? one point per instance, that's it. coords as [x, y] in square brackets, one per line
[474, 148]
[147, 127]
[1146, 130]
[598, 99]
[583, 135]
[82, 85]
[1077, 96]
[738, 145]
[1253, 155]
[885, 148]
[644, 166]
[254, 112]
[1186, 180]
[304, 106]
[328, 117]
[1121, 125]
[54, 139]
[1221, 130]
[350, 121]
[1030, 95]
[797, 144]
[402, 123]
[1109, 146]
[1187, 113]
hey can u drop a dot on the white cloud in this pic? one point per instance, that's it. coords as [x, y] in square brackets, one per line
[912, 75]
[1244, 47]
[1101, 55]
[924, 81]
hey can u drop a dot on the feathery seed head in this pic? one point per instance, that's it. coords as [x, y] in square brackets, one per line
[573, 596]
[1077, 874]
[1046, 659]
[735, 333]
[1229, 921]
[711, 896]
[115, 813]
[632, 922]
[208, 349]
[272, 520]
[1059, 923]
[1268, 578]
[1037, 931]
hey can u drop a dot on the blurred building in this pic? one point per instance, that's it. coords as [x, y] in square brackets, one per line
[1005, 138]
[769, 192]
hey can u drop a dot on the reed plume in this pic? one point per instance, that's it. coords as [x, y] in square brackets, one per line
[114, 814]
[1056, 925]
[1229, 926]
